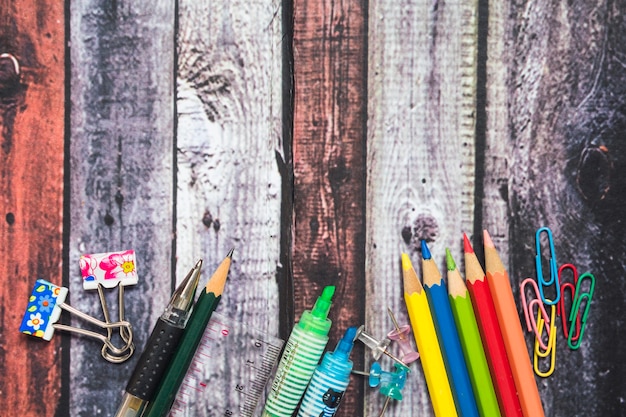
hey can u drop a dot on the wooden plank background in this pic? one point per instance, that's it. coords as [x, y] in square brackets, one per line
[320, 140]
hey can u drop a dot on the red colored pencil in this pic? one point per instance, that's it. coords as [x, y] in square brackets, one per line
[493, 342]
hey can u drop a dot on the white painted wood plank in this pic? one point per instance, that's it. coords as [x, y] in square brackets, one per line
[229, 135]
[420, 154]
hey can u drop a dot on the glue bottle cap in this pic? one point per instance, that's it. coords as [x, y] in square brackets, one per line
[316, 320]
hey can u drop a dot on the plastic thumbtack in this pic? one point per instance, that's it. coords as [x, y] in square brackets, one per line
[400, 335]
[391, 383]
[378, 347]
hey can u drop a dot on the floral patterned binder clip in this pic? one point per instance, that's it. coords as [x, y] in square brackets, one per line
[43, 312]
[110, 270]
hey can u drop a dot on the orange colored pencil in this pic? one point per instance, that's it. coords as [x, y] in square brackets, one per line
[487, 320]
[512, 333]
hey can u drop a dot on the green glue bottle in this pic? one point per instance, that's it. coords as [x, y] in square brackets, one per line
[302, 353]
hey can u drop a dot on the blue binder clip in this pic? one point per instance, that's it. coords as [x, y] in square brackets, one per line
[43, 312]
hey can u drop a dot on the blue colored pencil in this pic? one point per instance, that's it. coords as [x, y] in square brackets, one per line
[456, 367]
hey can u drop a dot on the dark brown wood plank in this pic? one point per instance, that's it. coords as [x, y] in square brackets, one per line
[564, 153]
[329, 165]
[122, 174]
[31, 185]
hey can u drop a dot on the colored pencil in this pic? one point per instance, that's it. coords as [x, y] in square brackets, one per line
[471, 342]
[203, 309]
[489, 327]
[512, 333]
[427, 342]
[448, 336]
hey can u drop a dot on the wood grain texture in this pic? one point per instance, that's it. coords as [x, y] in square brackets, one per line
[31, 185]
[329, 165]
[420, 153]
[567, 116]
[495, 169]
[229, 143]
[122, 173]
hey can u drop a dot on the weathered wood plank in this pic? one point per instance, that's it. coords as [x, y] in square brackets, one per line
[566, 100]
[421, 127]
[496, 170]
[229, 136]
[122, 83]
[329, 165]
[31, 186]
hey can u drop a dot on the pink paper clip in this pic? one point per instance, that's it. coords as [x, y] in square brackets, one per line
[560, 310]
[527, 307]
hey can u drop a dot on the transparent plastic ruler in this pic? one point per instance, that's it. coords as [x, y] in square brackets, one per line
[229, 371]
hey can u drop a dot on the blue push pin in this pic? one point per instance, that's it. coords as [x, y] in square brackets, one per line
[391, 383]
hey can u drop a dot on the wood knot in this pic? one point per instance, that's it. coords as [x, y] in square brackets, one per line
[10, 218]
[207, 219]
[594, 171]
[424, 227]
[108, 219]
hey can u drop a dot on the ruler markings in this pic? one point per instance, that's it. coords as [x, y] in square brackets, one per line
[247, 353]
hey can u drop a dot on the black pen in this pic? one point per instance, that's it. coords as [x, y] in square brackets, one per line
[160, 347]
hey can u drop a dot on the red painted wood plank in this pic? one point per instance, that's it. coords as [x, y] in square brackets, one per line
[330, 85]
[31, 186]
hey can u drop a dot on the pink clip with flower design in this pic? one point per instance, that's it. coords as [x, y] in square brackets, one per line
[108, 269]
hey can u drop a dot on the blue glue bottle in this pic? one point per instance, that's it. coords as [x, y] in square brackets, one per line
[330, 380]
[302, 353]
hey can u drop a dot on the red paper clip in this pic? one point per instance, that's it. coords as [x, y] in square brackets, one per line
[560, 311]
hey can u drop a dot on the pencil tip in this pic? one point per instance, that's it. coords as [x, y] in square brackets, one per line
[198, 264]
[425, 251]
[487, 239]
[406, 262]
[230, 254]
[467, 245]
[451, 265]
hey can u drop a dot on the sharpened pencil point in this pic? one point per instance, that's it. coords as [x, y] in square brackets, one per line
[425, 250]
[230, 254]
[406, 262]
[487, 240]
[198, 264]
[467, 245]
[450, 264]
[409, 276]
[218, 280]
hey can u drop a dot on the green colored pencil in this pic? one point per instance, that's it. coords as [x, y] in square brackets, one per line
[202, 311]
[471, 342]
